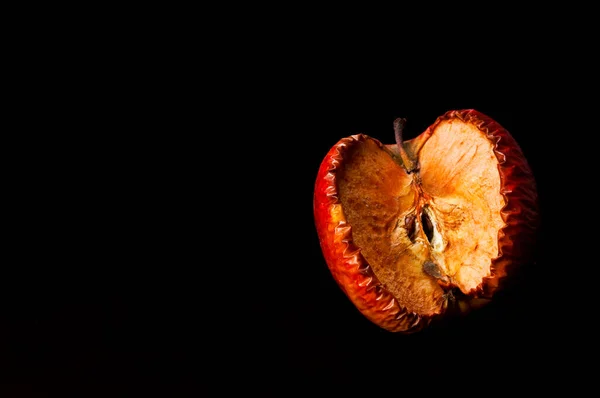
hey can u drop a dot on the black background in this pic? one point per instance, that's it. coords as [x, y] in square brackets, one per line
[171, 248]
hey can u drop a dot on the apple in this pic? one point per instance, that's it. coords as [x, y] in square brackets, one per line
[427, 228]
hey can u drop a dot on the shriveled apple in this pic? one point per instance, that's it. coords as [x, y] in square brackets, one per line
[421, 229]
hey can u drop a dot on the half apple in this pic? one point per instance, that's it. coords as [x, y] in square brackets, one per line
[430, 227]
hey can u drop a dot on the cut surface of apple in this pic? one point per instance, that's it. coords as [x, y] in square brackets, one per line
[413, 230]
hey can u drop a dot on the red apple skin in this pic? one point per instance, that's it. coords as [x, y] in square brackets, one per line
[516, 240]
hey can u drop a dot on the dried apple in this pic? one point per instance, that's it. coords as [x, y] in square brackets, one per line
[427, 228]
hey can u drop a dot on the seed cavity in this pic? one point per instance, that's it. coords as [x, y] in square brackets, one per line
[427, 226]
[410, 225]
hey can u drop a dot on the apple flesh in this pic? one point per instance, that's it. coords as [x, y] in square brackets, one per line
[422, 229]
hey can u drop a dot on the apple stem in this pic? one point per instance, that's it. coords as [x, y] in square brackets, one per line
[409, 165]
